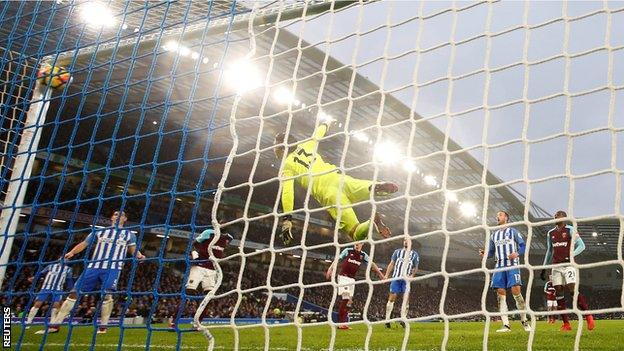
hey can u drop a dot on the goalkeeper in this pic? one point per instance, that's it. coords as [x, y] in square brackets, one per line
[304, 165]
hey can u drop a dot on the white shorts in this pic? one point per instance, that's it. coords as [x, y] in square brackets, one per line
[348, 290]
[207, 278]
[563, 275]
[552, 303]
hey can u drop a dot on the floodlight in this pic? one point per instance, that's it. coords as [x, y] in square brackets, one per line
[96, 15]
[243, 76]
[430, 180]
[283, 95]
[409, 166]
[387, 152]
[451, 196]
[361, 136]
[468, 209]
[325, 117]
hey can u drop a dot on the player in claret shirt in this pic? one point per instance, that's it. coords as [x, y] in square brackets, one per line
[562, 242]
[551, 300]
[203, 273]
[350, 261]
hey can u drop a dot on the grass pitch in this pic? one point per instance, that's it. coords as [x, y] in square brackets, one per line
[608, 335]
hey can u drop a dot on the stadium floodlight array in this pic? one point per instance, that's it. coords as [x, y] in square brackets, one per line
[253, 69]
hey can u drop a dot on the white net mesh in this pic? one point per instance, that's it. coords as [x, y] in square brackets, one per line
[471, 109]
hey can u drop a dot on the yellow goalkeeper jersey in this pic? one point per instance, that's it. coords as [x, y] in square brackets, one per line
[303, 165]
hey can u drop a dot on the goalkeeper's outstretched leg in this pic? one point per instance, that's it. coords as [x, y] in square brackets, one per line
[357, 190]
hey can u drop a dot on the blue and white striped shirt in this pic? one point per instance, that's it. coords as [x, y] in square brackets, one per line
[110, 249]
[400, 259]
[502, 243]
[56, 276]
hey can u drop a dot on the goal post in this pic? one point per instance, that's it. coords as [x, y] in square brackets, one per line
[24, 130]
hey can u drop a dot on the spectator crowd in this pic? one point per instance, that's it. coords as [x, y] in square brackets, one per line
[154, 290]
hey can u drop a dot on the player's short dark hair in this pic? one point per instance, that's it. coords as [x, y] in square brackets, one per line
[505, 212]
[561, 213]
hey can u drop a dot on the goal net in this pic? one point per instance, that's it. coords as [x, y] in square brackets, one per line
[298, 128]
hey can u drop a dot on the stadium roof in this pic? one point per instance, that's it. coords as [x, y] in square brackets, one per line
[162, 105]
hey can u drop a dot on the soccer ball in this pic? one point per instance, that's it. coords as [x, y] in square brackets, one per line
[54, 77]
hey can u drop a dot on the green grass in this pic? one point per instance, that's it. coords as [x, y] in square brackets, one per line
[608, 335]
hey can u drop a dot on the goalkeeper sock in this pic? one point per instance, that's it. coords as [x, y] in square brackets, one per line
[66, 308]
[361, 231]
[502, 308]
[520, 305]
[54, 313]
[31, 314]
[561, 305]
[107, 309]
[389, 308]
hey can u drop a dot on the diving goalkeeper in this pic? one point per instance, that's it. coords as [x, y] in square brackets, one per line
[303, 164]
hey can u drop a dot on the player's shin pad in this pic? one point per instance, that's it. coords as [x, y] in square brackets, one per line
[361, 231]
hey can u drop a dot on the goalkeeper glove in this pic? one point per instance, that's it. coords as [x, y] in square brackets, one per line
[286, 233]
[543, 275]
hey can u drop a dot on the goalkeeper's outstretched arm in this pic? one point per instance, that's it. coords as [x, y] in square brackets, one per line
[288, 184]
[288, 191]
